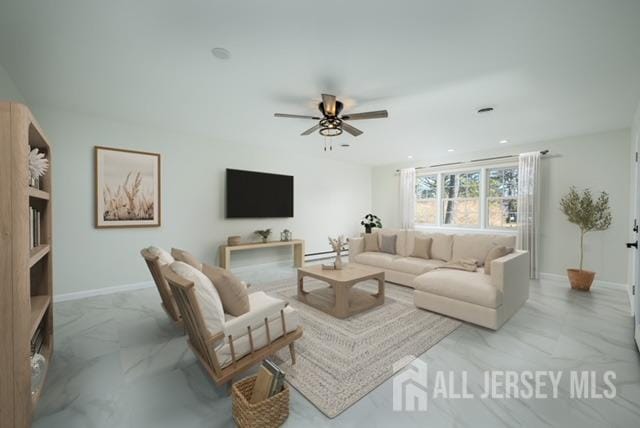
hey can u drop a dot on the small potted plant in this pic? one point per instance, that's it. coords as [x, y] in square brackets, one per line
[590, 216]
[264, 234]
[370, 221]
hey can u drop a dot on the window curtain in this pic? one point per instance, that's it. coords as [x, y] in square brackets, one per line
[529, 208]
[408, 197]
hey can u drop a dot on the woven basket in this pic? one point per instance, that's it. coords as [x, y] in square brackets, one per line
[268, 413]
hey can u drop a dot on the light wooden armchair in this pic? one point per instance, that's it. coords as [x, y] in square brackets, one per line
[168, 302]
[203, 343]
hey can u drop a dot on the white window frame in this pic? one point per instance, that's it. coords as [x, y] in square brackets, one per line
[484, 206]
[487, 197]
[441, 199]
[437, 199]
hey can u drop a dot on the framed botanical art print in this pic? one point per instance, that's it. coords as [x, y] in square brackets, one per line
[127, 188]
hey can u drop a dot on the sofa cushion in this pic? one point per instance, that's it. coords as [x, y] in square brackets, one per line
[470, 287]
[371, 242]
[441, 245]
[495, 253]
[401, 240]
[381, 260]
[477, 246]
[164, 258]
[233, 292]
[388, 243]
[206, 295]
[187, 257]
[415, 265]
[422, 247]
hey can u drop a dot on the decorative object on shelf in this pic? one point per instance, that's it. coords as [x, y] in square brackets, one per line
[233, 240]
[264, 234]
[337, 244]
[127, 188]
[370, 221]
[590, 216]
[38, 371]
[285, 235]
[38, 165]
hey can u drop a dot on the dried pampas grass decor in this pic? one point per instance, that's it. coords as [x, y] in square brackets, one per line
[38, 164]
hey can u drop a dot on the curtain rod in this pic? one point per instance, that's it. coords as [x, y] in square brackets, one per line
[542, 152]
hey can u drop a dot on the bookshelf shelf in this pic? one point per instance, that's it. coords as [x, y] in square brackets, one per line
[39, 306]
[26, 273]
[38, 194]
[36, 254]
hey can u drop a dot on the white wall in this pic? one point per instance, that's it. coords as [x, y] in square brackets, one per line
[330, 198]
[599, 161]
[8, 90]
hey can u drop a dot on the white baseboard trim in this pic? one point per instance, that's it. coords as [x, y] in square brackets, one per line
[101, 291]
[565, 281]
[562, 278]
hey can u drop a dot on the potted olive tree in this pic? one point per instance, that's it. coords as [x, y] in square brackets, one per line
[590, 215]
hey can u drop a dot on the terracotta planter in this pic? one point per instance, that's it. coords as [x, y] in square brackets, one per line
[580, 279]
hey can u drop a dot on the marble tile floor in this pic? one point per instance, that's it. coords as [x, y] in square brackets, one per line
[119, 362]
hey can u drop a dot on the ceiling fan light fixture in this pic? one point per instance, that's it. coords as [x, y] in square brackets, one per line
[330, 132]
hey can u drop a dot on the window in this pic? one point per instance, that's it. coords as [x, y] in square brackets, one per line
[485, 198]
[461, 199]
[502, 194]
[427, 199]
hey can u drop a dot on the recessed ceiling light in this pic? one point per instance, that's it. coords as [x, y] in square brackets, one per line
[504, 141]
[409, 157]
[221, 53]
[451, 150]
[485, 110]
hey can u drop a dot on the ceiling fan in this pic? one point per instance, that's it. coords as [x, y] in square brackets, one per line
[331, 124]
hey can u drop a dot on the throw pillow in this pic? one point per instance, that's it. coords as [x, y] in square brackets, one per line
[422, 247]
[186, 257]
[441, 247]
[206, 295]
[371, 242]
[495, 253]
[232, 291]
[164, 258]
[389, 244]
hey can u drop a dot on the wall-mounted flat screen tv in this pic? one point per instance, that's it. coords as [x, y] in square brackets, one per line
[258, 195]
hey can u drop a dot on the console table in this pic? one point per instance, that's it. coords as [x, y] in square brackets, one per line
[297, 244]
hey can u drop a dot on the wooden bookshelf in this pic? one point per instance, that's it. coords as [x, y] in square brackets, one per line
[26, 304]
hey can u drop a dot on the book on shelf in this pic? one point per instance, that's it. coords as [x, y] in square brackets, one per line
[34, 228]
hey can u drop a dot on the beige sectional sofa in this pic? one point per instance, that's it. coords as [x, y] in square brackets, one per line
[486, 300]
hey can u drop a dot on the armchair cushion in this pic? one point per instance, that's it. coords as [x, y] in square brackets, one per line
[206, 295]
[164, 258]
[186, 257]
[241, 344]
[262, 306]
[233, 292]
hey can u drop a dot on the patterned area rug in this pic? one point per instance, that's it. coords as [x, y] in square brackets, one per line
[340, 361]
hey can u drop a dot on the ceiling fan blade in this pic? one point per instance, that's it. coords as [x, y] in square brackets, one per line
[379, 114]
[296, 116]
[350, 129]
[311, 130]
[329, 102]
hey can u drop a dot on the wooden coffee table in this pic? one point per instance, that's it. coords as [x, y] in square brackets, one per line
[345, 300]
